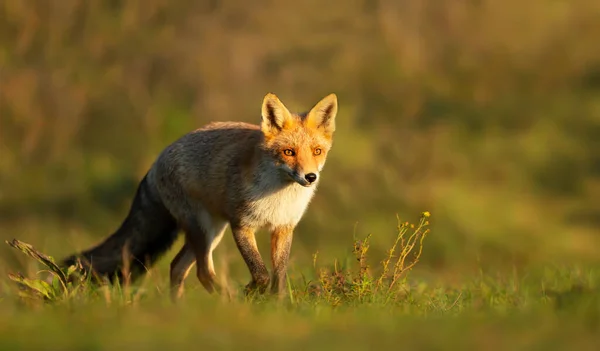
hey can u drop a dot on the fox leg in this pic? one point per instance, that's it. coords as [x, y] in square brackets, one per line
[214, 239]
[180, 268]
[203, 236]
[281, 243]
[246, 243]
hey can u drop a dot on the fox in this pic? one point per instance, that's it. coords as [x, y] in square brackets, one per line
[237, 174]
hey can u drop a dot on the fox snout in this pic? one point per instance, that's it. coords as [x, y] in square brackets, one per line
[304, 179]
[311, 177]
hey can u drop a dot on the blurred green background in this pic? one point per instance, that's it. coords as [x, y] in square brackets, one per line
[485, 113]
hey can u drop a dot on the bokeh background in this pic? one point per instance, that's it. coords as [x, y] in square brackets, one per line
[485, 113]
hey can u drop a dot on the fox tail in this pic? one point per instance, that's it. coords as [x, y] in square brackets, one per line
[148, 231]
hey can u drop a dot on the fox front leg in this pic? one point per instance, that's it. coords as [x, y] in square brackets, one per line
[246, 244]
[281, 244]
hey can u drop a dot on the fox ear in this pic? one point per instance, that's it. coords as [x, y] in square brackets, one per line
[275, 116]
[322, 115]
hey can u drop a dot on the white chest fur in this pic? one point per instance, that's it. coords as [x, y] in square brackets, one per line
[282, 207]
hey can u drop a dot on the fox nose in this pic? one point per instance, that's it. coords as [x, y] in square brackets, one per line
[311, 177]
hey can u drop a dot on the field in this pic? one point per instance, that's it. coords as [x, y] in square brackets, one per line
[483, 114]
[346, 305]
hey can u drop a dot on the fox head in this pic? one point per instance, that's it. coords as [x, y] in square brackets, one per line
[298, 143]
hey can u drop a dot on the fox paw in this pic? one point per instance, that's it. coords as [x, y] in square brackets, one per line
[254, 287]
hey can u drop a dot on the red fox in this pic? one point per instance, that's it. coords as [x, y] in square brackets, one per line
[226, 173]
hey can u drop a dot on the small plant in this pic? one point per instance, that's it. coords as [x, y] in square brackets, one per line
[360, 285]
[63, 285]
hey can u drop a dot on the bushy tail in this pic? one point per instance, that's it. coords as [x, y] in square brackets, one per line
[147, 233]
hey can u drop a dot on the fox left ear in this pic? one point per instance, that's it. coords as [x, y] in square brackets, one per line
[322, 115]
[275, 116]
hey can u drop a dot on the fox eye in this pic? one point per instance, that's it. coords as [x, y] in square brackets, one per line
[317, 151]
[288, 152]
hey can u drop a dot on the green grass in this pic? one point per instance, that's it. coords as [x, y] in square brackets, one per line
[354, 304]
[486, 113]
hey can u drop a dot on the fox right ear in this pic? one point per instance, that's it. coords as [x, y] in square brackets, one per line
[322, 115]
[275, 116]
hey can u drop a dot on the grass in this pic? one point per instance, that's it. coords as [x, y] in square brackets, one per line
[484, 112]
[356, 304]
